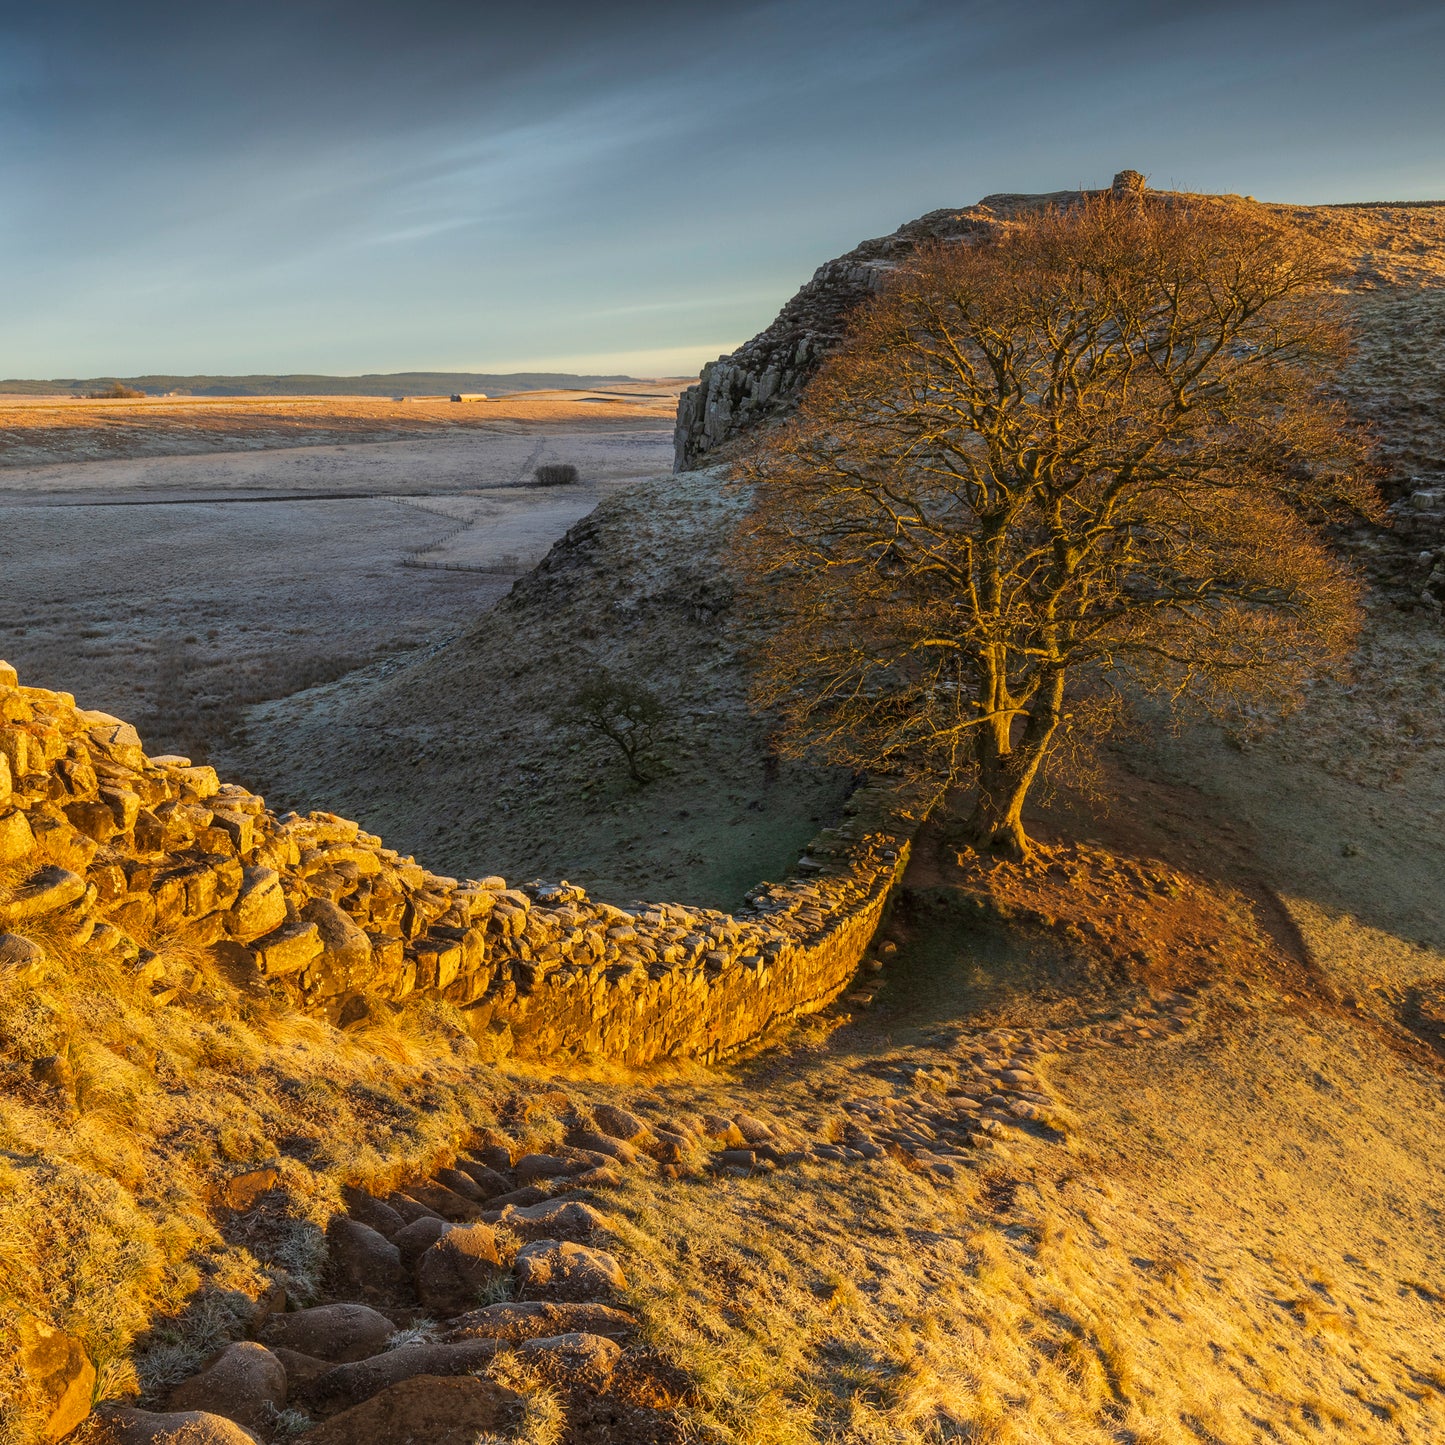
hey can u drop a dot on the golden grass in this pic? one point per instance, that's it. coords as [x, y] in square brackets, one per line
[109, 1224]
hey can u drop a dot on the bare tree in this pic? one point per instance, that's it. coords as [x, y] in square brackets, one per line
[627, 714]
[1083, 464]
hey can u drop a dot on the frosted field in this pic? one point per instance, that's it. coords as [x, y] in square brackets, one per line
[174, 590]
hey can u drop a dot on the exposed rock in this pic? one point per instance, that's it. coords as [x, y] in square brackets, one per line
[414, 1239]
[245, 1382]
[350, 1383]
[363, 1262]
[453, 1272]
[338, 1332]
[554, 1219]
[60, 1370]
[374, 1212]
[529, 1319]
[432, 1409]
[561, 1270]
[587, 1358]
[147, 1427]
[19, 957]
[617, 1123]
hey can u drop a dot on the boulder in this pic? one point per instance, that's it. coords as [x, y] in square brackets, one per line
[302, 1371]
[147, 1427]
[753, 1129]
[340, 1332]
[438, 1410]
[445, 1202]
[245, 1382]
[531, 1167]
[462, 1183]
[530, 1319]
[487, 1180]
[351, 1383]
[46, 891]
[288, 948]
[581, 1356]
[260, 907]
[595, 1143]
[16, 839]
[374, 1212]
[407, 1209]
[554, 1219]
[560, 1270]
[19, 957]
[345, 944]
[617, 1123]
[451, 1275]
[414, 1239]
[364, 1262]
[60, 1371]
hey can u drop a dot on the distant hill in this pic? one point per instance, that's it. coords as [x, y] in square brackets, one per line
[399, 383]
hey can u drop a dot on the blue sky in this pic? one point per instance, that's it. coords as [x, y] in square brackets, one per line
[348, 187]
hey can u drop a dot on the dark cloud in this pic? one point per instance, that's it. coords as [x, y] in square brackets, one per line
[352, 186]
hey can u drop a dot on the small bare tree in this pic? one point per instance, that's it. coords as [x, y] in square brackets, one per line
[627, 714]
[1047, 476]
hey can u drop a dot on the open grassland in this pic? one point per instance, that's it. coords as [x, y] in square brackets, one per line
[37, 431]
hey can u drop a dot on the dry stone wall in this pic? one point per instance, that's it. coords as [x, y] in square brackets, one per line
[105, 847]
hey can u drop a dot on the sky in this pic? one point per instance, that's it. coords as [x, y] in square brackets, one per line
[347, 186]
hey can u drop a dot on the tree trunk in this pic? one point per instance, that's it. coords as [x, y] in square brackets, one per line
[1005, 774]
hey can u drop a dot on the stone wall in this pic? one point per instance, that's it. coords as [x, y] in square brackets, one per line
[106, 848]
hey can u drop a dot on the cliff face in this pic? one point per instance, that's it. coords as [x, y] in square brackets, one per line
[763, 376]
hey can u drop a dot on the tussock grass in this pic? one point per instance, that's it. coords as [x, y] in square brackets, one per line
[112, 1221]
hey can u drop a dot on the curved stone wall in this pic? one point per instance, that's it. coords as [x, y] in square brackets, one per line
[105, 847]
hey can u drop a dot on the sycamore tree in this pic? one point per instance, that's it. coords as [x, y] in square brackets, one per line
[1044, 478]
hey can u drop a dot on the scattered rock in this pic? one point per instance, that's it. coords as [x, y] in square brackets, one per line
[453, 1272]
[560, 1270]
[243, 1383]
[424, 1410]
[339, 1332]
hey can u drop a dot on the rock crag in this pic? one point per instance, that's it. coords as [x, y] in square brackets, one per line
[103, 846]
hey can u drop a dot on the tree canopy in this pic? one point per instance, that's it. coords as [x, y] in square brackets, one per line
[1045, 477]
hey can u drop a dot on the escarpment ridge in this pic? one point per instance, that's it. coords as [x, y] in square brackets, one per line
[104, 846]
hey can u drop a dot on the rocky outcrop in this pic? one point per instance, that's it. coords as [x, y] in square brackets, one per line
[120, 853]
[762, 377]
